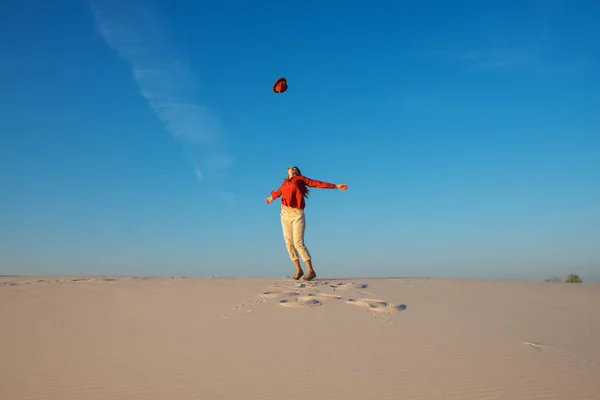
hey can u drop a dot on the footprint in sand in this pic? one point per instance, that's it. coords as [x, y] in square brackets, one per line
[326, 295]
[316, 293]
[300, 302]
[277, 294]
[376, 305]
[247, 307]
[298, 294]
[288, 285]
[349, 286]
[382, 311]
[536, 346]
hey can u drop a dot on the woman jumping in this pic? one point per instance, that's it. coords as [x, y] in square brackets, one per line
[292, 191]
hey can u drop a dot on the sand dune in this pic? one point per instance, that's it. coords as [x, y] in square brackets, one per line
[178, 338]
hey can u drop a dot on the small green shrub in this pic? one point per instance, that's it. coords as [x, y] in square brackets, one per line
[573, 278]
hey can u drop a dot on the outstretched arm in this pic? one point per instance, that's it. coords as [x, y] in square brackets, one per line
[323, 185]
[274, 195]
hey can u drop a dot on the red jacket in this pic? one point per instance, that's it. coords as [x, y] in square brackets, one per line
[292, 192]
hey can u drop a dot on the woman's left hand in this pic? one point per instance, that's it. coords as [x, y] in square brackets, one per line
[341, 186]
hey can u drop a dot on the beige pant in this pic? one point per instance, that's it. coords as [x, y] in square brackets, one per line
[293, 224]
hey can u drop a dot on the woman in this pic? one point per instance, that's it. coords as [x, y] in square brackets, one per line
[292, 191]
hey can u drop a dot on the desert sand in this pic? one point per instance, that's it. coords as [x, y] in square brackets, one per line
[189, 338]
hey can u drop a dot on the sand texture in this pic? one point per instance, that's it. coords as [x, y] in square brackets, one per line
[76, 338]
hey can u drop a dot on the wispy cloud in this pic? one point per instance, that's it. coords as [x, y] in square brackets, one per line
[517, 59]
[496, 41]
[136, 32]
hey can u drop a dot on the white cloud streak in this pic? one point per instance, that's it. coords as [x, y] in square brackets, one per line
[140, 37]
[497, 43]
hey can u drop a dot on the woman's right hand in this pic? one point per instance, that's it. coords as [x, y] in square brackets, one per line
[341, 186]
[269, 199]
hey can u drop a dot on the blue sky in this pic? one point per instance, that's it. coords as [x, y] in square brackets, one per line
[142, 137]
